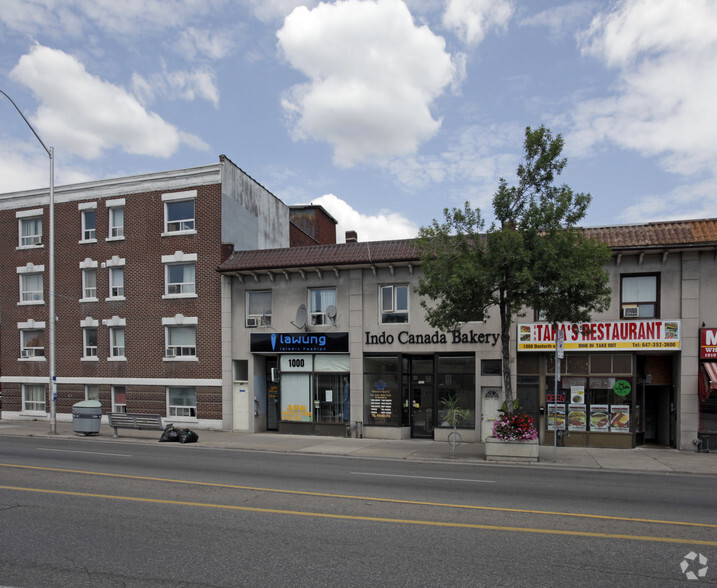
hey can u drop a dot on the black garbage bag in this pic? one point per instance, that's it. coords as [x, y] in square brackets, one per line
[187, 436]
[169, 434]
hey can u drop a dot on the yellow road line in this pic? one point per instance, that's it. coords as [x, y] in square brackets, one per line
[372, 519]
[351, 497]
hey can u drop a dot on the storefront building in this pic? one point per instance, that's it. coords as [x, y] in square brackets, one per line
[332, 340]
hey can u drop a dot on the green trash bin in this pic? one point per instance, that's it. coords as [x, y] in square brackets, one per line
[86, 417]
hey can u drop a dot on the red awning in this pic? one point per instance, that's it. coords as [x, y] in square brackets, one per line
[711, 369]
[708, 380]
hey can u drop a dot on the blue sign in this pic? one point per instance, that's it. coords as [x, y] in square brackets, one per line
[299, 343]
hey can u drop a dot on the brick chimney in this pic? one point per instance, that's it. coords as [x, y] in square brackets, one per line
[351, 237]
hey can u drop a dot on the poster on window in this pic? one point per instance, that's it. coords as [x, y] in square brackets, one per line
[620, 418]
[577, 418]
[380, 402]
[558, 410]
[599, 417]
[577, 394]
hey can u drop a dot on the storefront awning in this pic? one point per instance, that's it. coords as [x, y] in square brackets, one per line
[708, 383]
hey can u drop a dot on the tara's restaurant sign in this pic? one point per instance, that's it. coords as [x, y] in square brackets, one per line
[708, 343]
[602, 336]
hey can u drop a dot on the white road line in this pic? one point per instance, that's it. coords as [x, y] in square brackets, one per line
[424, 478]
[88, 452]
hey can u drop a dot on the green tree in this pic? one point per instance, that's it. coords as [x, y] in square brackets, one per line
[532, 256]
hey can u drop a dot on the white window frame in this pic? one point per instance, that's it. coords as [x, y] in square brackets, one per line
[180, 352]
[89, 293]
[115, 265]
[181, 411]
[257, 319]
[31, 353]
[115, 229]
[92, 390]
[318, 315]
[89, 352]
[392, 309]
[119, 406]
[34, 406]
[186, 289]
[27, 296]
[89, 233]
[31, 240]
[183, 226]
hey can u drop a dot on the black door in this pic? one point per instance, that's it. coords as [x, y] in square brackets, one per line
[422, 398]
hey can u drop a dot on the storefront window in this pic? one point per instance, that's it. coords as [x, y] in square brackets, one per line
[456, 380]
[382, 390]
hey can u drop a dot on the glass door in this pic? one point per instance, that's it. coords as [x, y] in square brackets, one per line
[422, 398]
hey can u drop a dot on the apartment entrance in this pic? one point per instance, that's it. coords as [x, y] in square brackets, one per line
[422, 397]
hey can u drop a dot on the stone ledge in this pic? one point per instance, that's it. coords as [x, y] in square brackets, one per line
[511, 451]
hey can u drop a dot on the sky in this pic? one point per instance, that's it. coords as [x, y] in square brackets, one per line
[385, 112]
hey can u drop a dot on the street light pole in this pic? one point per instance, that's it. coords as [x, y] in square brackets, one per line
[51, 264]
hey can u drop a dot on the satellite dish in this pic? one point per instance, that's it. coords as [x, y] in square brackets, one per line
[331, 312]
[301, 316]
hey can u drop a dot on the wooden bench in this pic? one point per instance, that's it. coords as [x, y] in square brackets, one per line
[127, 420]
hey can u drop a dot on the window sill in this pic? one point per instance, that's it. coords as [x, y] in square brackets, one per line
[33, 413]
[88, 300]
[173, 296]
[183, 358]
[85, 241]
[31, 359]
[122, 238]
[37, 246]
[115, 299]
[176, 233]
[123, 358]
[90, 358]
[31, 302]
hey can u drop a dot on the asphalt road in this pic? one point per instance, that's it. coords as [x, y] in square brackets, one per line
[115, 514]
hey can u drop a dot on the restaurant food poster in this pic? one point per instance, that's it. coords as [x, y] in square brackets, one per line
[577, 419]
[599, 417]
[602, 336]
[620, 418]
[577, 394]
[560, 408]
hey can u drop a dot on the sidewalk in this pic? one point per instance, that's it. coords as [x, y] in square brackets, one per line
[642, 459]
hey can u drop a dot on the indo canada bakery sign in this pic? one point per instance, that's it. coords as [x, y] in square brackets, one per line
[602, 336]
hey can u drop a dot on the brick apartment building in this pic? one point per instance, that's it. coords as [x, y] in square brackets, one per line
[138, 300]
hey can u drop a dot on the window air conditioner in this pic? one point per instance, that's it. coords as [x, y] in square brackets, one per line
[251, 321]
[26, 353]
[630, 311]
[171, 351]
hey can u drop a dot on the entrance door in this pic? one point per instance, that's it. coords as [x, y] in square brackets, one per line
[490, 404]
[422, 397]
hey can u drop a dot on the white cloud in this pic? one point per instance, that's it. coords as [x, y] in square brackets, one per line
[193, 43]
[273, 10]
[383, 226]
[471, 20]
[86, 115]
[665, 53]
[185, 85]
[374, 75]
[562, 20]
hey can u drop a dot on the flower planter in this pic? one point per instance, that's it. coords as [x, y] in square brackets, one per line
[512, 451]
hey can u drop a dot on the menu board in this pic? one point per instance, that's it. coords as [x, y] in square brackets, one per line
[620, 418]
[577, 417]
[552, 409]
[599, 417]
[380, 403]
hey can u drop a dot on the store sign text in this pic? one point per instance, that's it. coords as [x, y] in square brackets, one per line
[602, 336]
[435, 338]
[708, 343]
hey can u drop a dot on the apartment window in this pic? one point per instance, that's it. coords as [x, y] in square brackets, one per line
[92, 392]
[32, 343]
[89, 226]
[394, 304]
[182, 402]
[179, 211]
[31, 288]
[181, 341]
[89, 284]
[323, 306]
[258, 309]
[180, 279]
[117, 348]
[639, 295]
[30, 230]
[89, 335]
[119, 399]
[116, 282]
[116, 223]
[33, 397]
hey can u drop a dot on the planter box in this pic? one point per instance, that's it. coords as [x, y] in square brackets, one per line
[512, 451]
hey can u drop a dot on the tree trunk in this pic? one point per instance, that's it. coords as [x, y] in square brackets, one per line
[506, 314]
